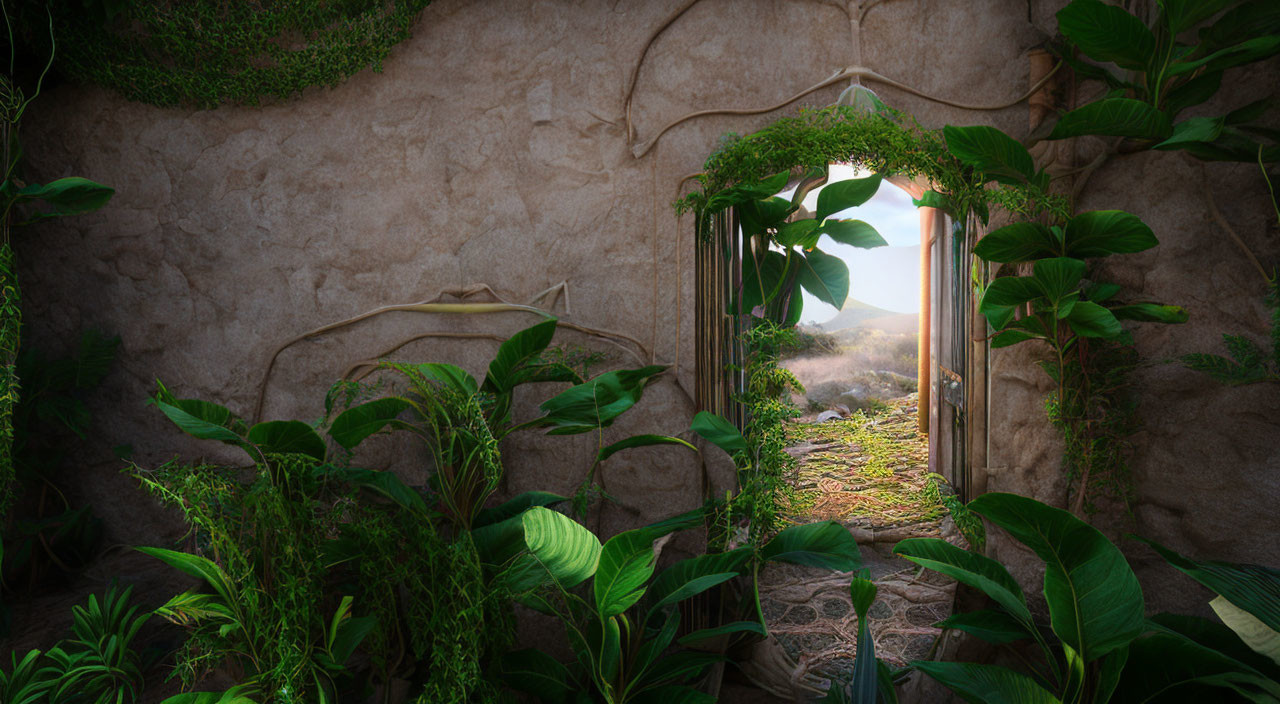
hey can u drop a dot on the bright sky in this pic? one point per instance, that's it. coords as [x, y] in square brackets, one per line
[887, 277]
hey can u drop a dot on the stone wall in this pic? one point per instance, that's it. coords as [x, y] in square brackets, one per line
[492, 150]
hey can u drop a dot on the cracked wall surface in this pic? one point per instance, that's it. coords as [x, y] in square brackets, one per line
[491, 150]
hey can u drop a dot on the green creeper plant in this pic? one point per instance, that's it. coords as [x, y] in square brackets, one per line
[1158, 75]
[1098, 646]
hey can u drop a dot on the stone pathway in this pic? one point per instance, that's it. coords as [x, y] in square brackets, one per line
[871, 474]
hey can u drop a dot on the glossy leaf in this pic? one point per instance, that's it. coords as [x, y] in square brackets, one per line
[1256, 634]
[723, 630]
[640, 441]
[1193, 92]
[1019, 242]
[1116, 117]
[1248, 51]
[1088, 319]
[842, 195]
[450, 376]
[674, 583]
[760, 284]
[1246, 20]
[801, 233]
[1196, 129]
[533, 671]
[196, 566]
[977, 571]
[992, 152]
[1170, 667]
[382, 482]
[828, 545]
[825, 276]
[1107, 33]
[288, 436]
[569, 552]
[1099, 233]
[598, 402]
[1095, 602]
[626, 563]
[355, 424]
[992, 626]
[1181, 15]
[854, 233]
[987, 684]
[1008, 291]
[719, 432]
[1254, 588]
[1151, 313]
[68, 196]
[519, 349]
[1057, 277]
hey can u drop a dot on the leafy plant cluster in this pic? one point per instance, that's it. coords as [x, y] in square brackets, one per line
[1098, 645]
[207, 53]
[96, 665]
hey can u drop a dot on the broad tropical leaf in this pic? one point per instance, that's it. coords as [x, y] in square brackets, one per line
[1196, 129]
[626, 563]
[1151, 313]
[533, 671]
[288, 436]
[1252, 588]
[992, 626]
[1100, 233]
[569, 552]
[355, 424]
[828, 545]
[987, 684]
[518, 350]
[825, 276]
[726, 629]
[515, 506]
[1089, 319]
[1166, 666]
[1116, 117]
[994, 153]
[679, 581]
[842, 195]
[1095, 602]
[1019, 242]
[196, 566]
[596, 403]
[978, 571]
[68, 196]
[719, 432]
[640, 441]
[382, 482]
[1107, 33]
[855, 233]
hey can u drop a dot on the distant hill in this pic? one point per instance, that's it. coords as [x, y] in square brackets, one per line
[856, 314]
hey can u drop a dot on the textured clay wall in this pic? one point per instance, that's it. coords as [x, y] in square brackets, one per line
[492, 151]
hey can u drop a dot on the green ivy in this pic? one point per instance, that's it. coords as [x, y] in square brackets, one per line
[208, 52]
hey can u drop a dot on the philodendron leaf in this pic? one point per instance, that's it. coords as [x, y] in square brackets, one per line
[1008, 291]
[564, 548]
[727, 629]
[825, 276]
[355, 424]
[978, 571]
[626, 563]
[719, 432]
[1099, 233]
[1245, 52]
[519, 349]
[986, 684]
[990, 625]
[1057, 277]
[1168, 666]
[533, 671]
[68, 196]
[1019, 242]
[515, 506]
[1181, 15]
[1095, 602]
[1116, 117]
[801, 233]
[760, 284]
[688, 577]
[197, 566]
[288, 436]
[1255, 634]
[1088, 319]
[992, 152]
[828, 545]
[1107, 33]
[640, 441]
[842, 195]
[855, 233]
[1151, 313]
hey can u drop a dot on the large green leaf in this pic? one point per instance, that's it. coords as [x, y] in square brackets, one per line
[196, 566]
[1116, 117]
[640, 441]
[450, 376]
[1019, 242]
[1008, 291]
[994, 153]
[626, 563]
[1193, 92]
[1249, 628]
[596, 403]
[978, 571]
[842, 195]
[1254, 588]
[1245, 21]
[235, 695]
[719, 432]
[864, 683]
[288, 436]
[1099, 233]
[381, 482]
[1095, 602]
[801, 233]
[1167, 667]
[760, 284]
[1196, 129]
[515, 506]
[201, 419]
[355, 424]
[1107, 33]
[1181, 15]
[723, 630]
[1088, 319]
[854, 233]
[988, 624]
[519, 349]
[676, 582]
[68, 196]
[1245, 52]
[828, 545]
[986, 684]
[825, 276]
[533, 671]
[1058, 277]
[1151, 313]
[568, 551]
[1216, 636]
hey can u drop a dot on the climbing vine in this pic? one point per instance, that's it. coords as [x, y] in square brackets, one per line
[207, 52]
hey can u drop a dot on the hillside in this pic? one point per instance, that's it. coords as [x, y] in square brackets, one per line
[856, 314]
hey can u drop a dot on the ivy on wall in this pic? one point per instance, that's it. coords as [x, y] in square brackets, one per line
[208, 52]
